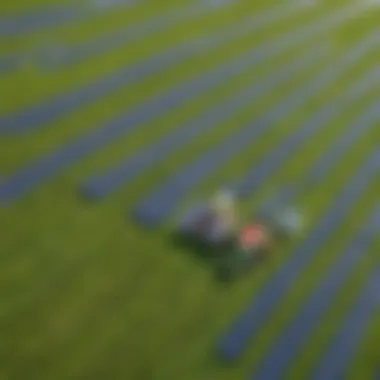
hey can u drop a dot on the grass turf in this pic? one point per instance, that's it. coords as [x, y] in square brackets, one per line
[86, 294]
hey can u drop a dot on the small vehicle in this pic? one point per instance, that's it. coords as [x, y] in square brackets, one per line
[238, 245]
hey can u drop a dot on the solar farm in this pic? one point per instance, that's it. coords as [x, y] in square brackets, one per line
[116, 117]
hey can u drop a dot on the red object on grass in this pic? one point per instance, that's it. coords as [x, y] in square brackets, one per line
[253, 235]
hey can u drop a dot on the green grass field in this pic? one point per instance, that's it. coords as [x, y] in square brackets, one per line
[84, 292]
